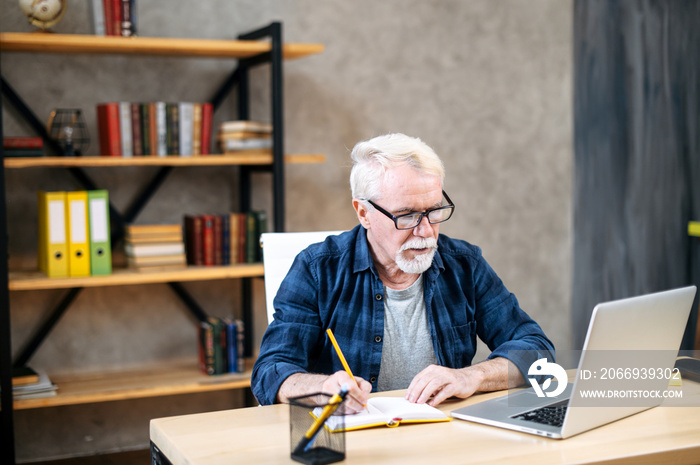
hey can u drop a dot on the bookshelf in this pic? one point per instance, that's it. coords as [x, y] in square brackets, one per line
[33, 280]
[155, 46]
[175, 377]
[262, 46]
[243, 158]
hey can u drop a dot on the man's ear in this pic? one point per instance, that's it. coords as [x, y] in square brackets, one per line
[362, 212]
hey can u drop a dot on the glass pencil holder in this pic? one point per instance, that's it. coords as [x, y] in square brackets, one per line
[317, 436]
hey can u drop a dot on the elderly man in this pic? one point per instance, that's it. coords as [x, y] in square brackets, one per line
[404, 302]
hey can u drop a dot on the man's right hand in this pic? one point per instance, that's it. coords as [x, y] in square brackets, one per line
[300, 384]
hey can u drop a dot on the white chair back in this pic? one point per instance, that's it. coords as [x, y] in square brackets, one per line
[279, 251]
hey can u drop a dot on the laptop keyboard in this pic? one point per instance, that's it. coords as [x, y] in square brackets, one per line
[552, 415]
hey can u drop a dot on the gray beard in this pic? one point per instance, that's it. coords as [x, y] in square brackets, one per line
[420, 263]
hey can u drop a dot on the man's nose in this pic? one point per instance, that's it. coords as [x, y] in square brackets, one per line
[424, 228]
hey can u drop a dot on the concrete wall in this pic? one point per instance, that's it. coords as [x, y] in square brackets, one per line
[488, 84]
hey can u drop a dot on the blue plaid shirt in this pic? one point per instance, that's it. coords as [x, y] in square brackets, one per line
[334, 284]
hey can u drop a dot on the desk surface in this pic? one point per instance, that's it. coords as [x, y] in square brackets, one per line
[260, 435]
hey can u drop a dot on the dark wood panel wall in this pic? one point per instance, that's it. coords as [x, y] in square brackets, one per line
[636, 151]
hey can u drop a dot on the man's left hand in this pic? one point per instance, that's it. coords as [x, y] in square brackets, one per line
[436, 383]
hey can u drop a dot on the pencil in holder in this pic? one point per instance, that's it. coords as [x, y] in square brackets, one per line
[313, 440]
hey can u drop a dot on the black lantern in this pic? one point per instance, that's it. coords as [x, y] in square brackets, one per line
[67, 127]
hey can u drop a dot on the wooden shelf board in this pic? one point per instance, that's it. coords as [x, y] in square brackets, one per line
[160, 46]
[35, 280]
[244, 158]
[169, 378]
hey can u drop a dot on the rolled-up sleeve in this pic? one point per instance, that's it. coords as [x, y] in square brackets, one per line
[291, 337]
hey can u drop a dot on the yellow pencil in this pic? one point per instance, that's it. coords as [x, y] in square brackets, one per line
[340, 355]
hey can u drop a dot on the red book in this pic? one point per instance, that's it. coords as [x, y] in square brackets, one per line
[17, 142]
[208, 239]
[207, 118]
[193, 240]
[108, 129]
[153, 129]
[117, 16]
[136, 132]
[218, 240]
[109, 22]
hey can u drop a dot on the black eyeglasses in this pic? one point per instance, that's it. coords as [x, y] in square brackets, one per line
[413, 219]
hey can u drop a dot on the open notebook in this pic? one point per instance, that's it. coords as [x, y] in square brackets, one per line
[386, 411]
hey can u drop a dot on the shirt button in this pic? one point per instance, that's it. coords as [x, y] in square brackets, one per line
[373, 380]
[378, 297]
[377, 339]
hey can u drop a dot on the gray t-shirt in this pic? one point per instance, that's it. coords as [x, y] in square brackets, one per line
[407, 347]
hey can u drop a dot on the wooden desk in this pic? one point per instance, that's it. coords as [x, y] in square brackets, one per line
[260, 435]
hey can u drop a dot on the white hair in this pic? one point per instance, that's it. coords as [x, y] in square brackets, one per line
[373, 157]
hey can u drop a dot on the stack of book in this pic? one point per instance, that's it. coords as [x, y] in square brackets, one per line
[23, 146]
[159, 129]
[154, 246]
[224, 239]
[114, 17]
[30, 384]
[220, 346]
[234, 136]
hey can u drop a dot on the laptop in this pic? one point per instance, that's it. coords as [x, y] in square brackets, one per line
[645, 330]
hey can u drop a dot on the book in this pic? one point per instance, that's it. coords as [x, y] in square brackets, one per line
[205, 347]
[117, 17]
[24, 375]
[98, 17]
[23, 152]
[154, 249]
[220, 346]
[208, 239]
[128, 26]
[152, 129]
[234, 237]
[194, 240]
[242, 236]
[161, 130]
[109, 22]
[218, 240]
[219, 330]
[21, 142]
[154, 239]
[158, 260]
[232, 145]
[145, 130]
[244, 135]
[386, 411]
[240, 345]
[108, 122]
[42, 388]
[137, 129]
[172, 115]
[207, 121]
[225, 239]
[244, 125]
[231, 345]
[150, 230]
[197, 129]
[186, 117]
[125, 129]
[256, 224]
